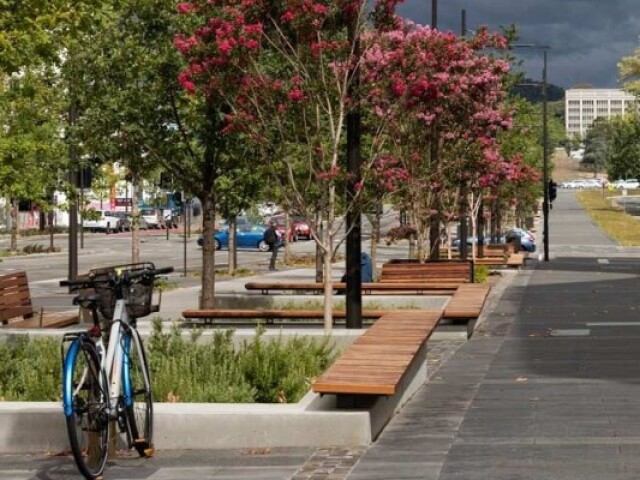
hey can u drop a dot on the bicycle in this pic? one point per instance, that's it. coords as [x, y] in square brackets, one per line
[103, 387]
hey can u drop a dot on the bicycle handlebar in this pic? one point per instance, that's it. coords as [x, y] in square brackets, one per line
[127, 276]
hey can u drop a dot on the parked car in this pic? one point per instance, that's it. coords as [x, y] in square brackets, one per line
[142, 223]
[125, 221]
[629, 184]
[102, 220]
[153, 217]
[302, 227]
[281, 226]
[247, 236]
[527, 240]
[299, 227]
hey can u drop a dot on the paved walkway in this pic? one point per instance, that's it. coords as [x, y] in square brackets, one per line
[547, 388]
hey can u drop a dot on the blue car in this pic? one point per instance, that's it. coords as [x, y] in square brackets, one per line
[247, 236]
[527, 241]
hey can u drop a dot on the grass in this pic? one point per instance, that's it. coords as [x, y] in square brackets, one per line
[622, 227]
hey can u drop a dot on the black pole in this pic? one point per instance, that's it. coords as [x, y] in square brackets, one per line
[80, 227]
[73, 205]
[184, 235]
[463, 23]
[545, 159]
[434, 13]
[353, 223]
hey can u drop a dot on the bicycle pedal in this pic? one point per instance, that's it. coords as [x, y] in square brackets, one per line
[148, 452]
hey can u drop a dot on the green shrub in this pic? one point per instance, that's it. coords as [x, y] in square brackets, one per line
[480, 273]
[182, 370]
[30, 370]
[259, 371]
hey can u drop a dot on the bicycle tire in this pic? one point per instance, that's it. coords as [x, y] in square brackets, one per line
[86, 408]
[138, 399]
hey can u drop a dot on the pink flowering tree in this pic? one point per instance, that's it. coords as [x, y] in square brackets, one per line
[278, 74]
[442, 99]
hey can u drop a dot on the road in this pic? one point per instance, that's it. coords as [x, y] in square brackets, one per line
[99, 250]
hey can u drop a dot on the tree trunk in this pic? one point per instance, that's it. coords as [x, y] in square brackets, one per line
[434, 237]
[208, 251]
[135, 227]
[287, 240]
[328, 292]
[375, 239]
[319, 254]
[14, 225]
[231, 268]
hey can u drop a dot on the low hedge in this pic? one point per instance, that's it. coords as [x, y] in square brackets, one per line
[182, 369]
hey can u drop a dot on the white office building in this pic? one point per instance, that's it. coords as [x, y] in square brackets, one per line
[584, 105]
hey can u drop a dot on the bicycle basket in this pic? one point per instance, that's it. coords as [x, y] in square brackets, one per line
[137, 296]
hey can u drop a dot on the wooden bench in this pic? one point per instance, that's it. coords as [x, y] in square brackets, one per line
[513, 260]
[434, 274]
[516, 260]
[377, 362]
[418, 288]
[16, 310]
[467, 302]
[271, 314]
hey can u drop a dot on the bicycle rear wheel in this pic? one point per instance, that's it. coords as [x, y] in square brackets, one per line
[86, 408]
[137, 395]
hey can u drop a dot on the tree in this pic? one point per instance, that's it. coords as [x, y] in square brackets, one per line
[596, 146]
[624, 147]
[629, 72]
[31, 149]
[416, 83]
[278, 74]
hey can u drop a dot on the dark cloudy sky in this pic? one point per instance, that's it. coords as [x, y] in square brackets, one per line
[587, 37]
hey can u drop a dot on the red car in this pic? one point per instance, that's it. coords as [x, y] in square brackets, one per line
[299, 228]
[303, 230]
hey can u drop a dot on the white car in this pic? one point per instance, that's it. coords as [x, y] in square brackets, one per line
[629, 184]
[106, 221]
[153, 217]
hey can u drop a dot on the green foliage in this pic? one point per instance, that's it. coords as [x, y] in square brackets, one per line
[480, 273]
[623, 140]
[280, 371]
[30, 370]
[260, 371]
[597, 145]
[182, 370]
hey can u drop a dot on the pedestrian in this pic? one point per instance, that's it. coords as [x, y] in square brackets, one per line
[272, 239]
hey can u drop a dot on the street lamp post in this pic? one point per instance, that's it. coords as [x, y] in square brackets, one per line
[545, 147]
[545, 158]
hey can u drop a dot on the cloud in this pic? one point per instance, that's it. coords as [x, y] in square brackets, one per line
[587, 37]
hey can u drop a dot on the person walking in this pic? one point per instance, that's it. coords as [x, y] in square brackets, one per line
[272, 239]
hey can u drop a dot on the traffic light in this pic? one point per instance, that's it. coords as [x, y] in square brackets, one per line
[553, 190]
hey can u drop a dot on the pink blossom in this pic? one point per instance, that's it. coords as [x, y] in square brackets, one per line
[184, 8]
[287, 16]
[296, 95]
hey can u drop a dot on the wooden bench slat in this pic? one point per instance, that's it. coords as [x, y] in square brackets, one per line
[467, 302]
[272, 313]
[376, 362]
[16, 310]
[435, 288]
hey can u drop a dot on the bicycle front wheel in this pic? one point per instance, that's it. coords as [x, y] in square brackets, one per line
[137, 395]
[86, 408]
